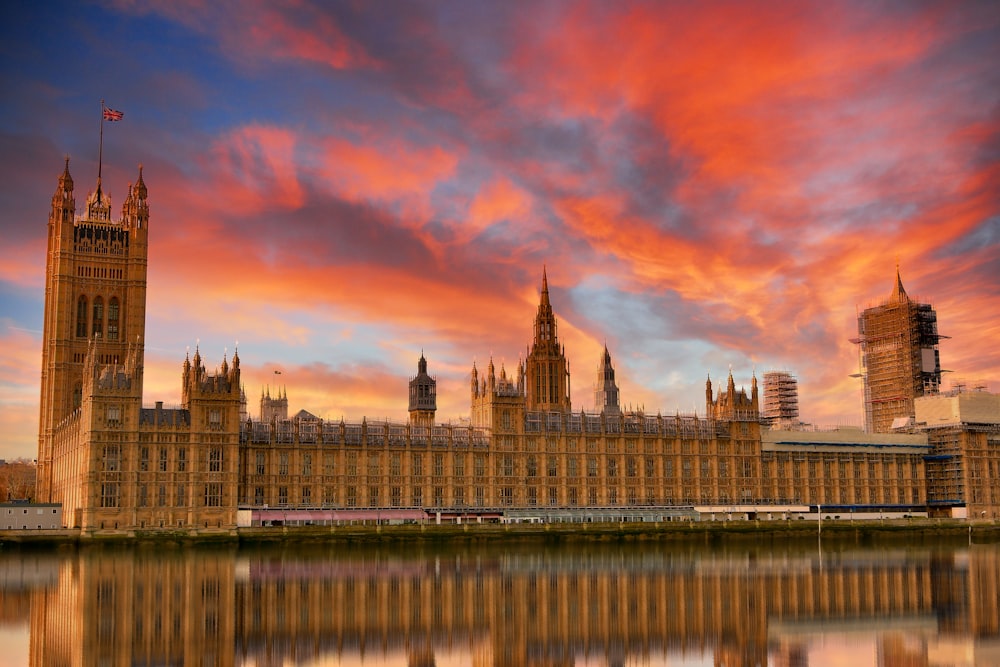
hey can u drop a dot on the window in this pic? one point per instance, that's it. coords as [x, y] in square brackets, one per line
[112, 461]
[283, 495]
[113, 319]
[508, 465]
[418, 464]
[439, 465]
[181, 459]
[143, 495]
[631, 467]
[215, 420]
[261, 463]
[532, 466]
[110, 494]
[114, 415]
[161, 495]
[283, 463]
[163, 459]
[306, 495]
[307, 464]
[591, 466]
[553, 467]
[328, 464]
[144, 459]
[215, 459]
[258, 495]
[181, 495]
[81, 317]
[98, 319]
[213, 494]
[612, 468]
[395, 464]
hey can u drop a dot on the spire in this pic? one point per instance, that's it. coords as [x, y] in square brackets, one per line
[140, 185]
[898, 292]
[545, 288]
[65, 180]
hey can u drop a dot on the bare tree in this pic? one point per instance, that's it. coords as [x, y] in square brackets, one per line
[17, 480]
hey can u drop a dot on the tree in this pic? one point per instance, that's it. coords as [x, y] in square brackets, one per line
[17, 480]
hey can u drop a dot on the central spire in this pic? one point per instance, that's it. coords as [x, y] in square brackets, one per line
[546, 369]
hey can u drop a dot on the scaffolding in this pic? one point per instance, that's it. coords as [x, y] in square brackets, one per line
[899, 359]
[781, 399]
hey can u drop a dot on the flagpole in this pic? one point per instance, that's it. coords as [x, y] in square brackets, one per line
[100, 153]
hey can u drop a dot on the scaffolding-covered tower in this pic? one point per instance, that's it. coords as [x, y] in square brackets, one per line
[899, 358]
[781, 400]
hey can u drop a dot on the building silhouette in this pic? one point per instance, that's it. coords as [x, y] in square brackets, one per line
[898, 346]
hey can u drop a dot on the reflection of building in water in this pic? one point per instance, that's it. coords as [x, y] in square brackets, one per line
[608, 606]
[139, 607]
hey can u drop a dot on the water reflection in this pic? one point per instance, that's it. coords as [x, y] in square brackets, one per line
[571, 605]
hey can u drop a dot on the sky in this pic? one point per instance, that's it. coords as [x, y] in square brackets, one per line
[338, 187]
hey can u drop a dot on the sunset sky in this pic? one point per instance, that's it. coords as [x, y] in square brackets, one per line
[336, 187]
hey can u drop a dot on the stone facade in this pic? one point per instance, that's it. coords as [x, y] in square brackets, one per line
[116, 465]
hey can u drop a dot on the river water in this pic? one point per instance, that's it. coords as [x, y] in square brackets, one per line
[499, 603]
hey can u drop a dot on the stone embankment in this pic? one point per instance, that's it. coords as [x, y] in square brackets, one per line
[914, 532]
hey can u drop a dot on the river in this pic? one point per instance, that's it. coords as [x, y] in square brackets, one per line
[502, 603]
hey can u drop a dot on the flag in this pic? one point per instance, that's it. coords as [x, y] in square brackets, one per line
[111, 114]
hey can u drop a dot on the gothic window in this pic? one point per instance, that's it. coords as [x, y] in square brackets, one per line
[215, 459]
[163, 459]
[110, 494]
[144, 459]
[181, 495]
[98, 319]
[260, 463]
[213, 495]
[112, 460]
[81, 317]
[113, 319]
[181, 460]
[258, 495]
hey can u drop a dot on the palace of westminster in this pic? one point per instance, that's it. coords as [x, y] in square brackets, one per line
[113, 464]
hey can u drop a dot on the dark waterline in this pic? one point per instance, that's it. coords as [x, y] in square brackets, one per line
[503, 603]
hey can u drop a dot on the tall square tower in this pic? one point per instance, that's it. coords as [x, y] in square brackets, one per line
[899, 357]
[95, 301]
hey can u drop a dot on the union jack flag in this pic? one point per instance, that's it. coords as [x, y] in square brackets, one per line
[111, 114]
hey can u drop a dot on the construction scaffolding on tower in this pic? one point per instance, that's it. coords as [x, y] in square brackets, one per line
[898, 358]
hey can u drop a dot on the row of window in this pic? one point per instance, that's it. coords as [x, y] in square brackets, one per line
[111, 495]
[98, 327]
[113, 460]
[441, 496]
[99, 272]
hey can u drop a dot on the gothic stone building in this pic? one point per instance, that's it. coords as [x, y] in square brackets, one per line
[116, 465]
[110, 462]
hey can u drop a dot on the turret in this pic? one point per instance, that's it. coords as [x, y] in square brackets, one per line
[423, 396]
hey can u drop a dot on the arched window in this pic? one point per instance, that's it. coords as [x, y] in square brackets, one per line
[98, 320]
[81, 317]
[113, 318]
